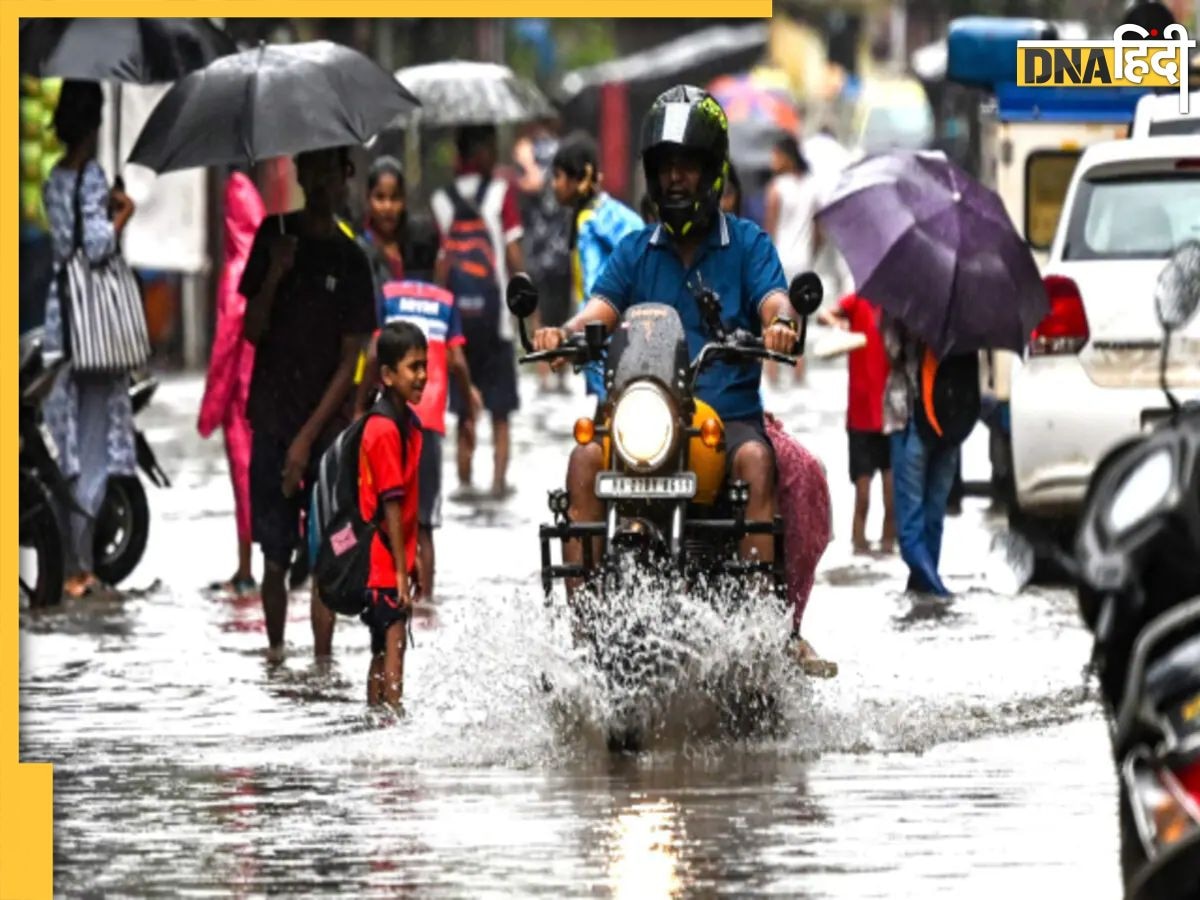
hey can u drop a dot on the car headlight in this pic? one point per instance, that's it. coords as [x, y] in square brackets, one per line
[1142, 492]
[643, 427]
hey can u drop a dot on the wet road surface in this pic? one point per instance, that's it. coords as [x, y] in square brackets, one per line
[957, 754]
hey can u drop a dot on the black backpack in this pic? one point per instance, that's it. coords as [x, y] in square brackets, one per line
[472, 275]
[340, 538]
[948, 401]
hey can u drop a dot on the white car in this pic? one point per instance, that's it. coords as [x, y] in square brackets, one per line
[1158, 115]
[1090, 376]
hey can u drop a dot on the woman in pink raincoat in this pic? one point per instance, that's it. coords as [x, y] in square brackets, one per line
[232, 361]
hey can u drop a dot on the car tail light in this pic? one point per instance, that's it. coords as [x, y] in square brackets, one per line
[1164, 803]
[1189, 779]
[1188, 163]
[1065, 329]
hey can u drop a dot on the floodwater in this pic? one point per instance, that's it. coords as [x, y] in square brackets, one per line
[959, 753]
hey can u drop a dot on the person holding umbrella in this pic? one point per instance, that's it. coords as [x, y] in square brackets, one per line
[310, 299]
[309, 312]
[937, 252]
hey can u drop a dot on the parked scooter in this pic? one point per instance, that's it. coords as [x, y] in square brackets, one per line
[1137, 563]
[42, 484]
[123, 522]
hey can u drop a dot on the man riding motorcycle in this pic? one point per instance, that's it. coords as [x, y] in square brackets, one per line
[693, 247]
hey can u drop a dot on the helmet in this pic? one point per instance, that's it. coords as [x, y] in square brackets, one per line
[686, 117]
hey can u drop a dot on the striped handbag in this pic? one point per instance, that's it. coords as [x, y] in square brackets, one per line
[105, 316]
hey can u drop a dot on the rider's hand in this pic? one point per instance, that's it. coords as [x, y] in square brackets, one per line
[550, 339]
[780, 338]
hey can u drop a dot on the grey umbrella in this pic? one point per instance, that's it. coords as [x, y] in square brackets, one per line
[142, 51]
[274, 100]
[460, 92]
[937, 250]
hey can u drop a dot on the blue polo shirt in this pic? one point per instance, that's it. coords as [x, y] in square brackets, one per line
[738, 262]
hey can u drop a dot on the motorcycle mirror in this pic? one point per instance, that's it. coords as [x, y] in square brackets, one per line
[522, 296]
[806, 293]
[1177, 292]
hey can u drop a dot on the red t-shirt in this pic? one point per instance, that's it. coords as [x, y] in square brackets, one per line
[868, 367]
[386, 474]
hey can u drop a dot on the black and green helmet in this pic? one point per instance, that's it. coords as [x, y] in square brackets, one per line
[686, 117]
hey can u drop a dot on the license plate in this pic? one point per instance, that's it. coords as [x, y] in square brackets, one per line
[48, 440]
[628, 487]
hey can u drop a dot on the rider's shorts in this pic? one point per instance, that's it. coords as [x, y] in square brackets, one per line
[739, 432]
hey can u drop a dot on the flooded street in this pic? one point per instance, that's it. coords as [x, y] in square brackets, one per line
[957, 754]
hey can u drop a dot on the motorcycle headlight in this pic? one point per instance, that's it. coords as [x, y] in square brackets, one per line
[1142, 492]
[643, 427]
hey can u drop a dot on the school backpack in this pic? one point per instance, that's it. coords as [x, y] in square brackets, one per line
[948, 402]
[473, 276]
[339, 537]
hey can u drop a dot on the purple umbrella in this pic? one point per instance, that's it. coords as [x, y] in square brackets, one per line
[936, 250]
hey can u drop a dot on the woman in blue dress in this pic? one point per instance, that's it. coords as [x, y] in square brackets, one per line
[90, 417]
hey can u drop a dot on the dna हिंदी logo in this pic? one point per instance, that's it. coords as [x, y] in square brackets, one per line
[1134, 57]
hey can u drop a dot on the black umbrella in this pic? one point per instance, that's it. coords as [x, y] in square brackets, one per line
[274, 100]
[141, 51]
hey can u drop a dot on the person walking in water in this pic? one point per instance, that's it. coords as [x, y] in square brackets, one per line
[90, 418]
[231, 365]
[792, 203]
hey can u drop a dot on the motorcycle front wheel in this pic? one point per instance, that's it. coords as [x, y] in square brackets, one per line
[41, 546]
[122, 529]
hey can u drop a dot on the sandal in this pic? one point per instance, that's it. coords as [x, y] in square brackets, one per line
[807, 659]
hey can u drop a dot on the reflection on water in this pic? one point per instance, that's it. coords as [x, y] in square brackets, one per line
[645, 862]
[956, 754]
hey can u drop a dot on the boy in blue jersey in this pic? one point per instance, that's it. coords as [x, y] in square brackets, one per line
[598, 224]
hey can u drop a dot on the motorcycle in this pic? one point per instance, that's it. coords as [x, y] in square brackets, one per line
[1137, 566]
[669, 516]
[42, 485]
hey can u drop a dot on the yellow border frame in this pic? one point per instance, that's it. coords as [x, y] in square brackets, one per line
[27, 789]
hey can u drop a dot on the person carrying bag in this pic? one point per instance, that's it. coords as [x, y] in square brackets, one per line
[103, 309]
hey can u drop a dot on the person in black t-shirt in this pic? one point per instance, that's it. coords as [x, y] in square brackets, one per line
[310, 309]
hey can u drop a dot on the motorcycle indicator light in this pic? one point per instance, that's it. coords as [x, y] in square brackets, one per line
[1163, 810]
[711, 433]
[1142, 492]
[585, 431]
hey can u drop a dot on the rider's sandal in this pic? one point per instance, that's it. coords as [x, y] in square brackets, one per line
[806, 657]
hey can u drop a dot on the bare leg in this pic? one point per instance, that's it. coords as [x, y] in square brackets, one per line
[428, 558]
[393, 664]
[586, 462]
[889, 513]
[375, 681]
[501, 446]
[754, 465]
[244, 571]
[862, 505]
[466, 449]
[323, 619]
[274, 602]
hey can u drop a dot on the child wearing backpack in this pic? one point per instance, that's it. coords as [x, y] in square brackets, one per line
[388, 464]
[363, 517]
